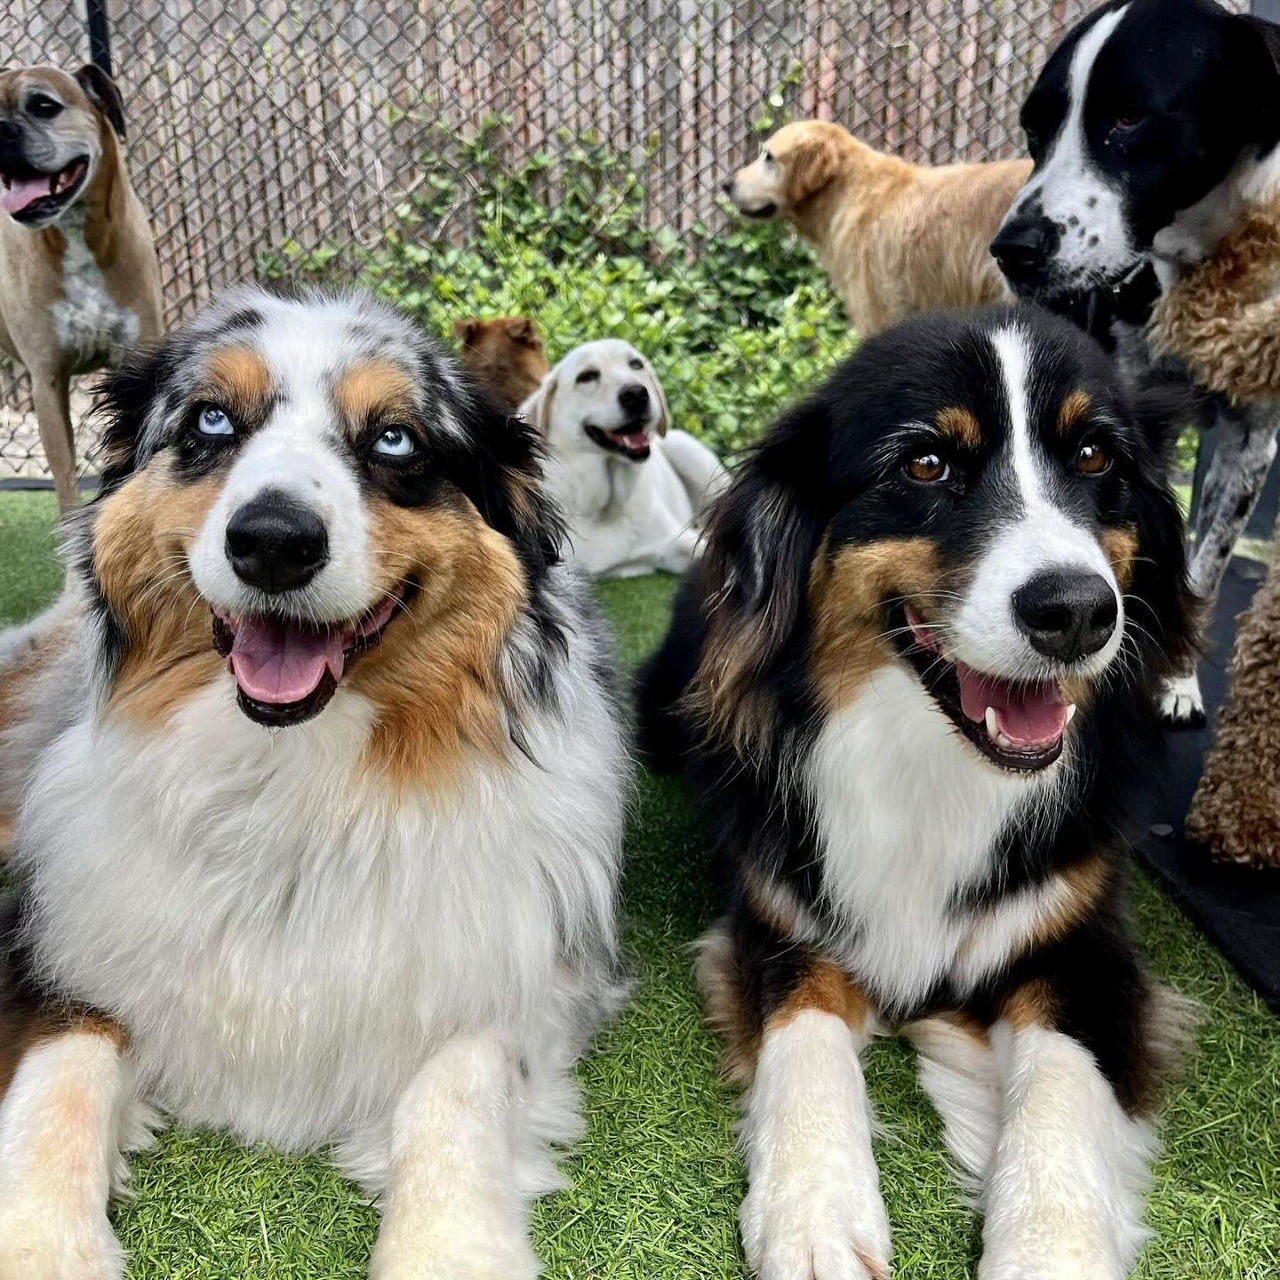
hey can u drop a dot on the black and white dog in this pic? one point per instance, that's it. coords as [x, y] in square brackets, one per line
[1152, 126]
[913, 680]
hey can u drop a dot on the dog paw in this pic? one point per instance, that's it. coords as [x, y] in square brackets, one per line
[835, 1234]
[1041, 1264]
[1181, 703]
[40, 1244]
[453, 1249]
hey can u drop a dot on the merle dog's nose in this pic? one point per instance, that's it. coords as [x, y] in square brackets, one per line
[1066, 614]
[1022, 246]
[276, 543]
[634, 399]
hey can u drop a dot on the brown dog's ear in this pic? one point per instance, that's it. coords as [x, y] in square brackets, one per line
[101, 90]
[814, 163]
[523, 330]
[465, 330]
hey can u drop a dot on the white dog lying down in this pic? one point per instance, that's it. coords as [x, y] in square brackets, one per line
[633, 490]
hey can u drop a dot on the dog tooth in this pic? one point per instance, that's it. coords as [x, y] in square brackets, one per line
[1071, 713]
[993, 725]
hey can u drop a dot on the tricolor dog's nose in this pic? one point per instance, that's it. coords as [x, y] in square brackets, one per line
[276, 543]
[634, 399]
[1066, 614]
[1022, 246]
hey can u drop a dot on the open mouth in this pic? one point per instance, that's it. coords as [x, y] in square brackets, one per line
[286, 671]
[761, 211]
[1017, 724]
[28, 195]
[632, 441]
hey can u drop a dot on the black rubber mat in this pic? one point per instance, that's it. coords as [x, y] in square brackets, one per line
[1238, 908]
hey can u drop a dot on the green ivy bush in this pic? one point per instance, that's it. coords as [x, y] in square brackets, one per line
[738, 320]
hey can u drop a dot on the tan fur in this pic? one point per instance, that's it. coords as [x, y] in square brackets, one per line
[1236, 810]
[845, 599]
[726, 1013]
[1120, 546]
[31, 261]
[1031, 1005]
[825, 988]
[1222, 316]
[1074, 412]
[960, 425]
[1085, 883]
[432, 679]
[240, 381]
[506, 355]
[141, 537]
[895, 237]
[374, 390]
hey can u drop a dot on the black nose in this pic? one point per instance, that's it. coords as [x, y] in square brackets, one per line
[1023, 245]
[727, 186]
[275, 543]
[9, 132]
[634, 399]
[1066, 615]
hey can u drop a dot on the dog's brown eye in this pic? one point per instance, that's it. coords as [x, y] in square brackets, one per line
[44, 108]
[588, 375]
[1092, 460]
[928, 468]
[1124, 123]
[636, 364]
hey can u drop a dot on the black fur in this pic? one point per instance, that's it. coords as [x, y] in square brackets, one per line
[827, 477]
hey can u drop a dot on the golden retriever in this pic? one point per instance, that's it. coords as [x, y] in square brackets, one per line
[505, 355]
[894, 237]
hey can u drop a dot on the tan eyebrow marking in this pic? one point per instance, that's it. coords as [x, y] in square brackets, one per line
[373, 389]
[960, 425]
[243, 378]
[1074, 411]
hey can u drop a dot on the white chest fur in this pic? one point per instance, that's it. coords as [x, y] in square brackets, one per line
[286, 938]
[908, 815]
[91, 328]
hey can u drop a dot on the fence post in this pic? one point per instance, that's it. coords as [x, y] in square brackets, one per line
[95, 16]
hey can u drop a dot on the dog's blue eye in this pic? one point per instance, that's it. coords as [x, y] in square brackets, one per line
[395, 442]
[214, 422]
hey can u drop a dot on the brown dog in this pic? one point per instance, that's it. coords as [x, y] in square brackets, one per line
[506, 355]
[894, 237]
[79, 281]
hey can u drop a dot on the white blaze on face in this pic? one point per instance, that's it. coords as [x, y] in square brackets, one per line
[1086, 208]
[1040, 537]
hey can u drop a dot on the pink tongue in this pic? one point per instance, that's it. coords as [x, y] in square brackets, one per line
[22, 192]
[1031, 715]
[632, 439]
[281, 662]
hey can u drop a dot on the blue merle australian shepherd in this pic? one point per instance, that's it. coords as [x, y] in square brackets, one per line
[318, 782]
[912, 680]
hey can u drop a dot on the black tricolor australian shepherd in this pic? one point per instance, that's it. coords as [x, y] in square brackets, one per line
[912, 682]
[319, 784]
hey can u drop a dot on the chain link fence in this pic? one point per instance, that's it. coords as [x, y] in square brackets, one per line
[351, 140]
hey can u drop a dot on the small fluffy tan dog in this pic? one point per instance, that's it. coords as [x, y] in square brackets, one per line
[506, 355]
[894, 237]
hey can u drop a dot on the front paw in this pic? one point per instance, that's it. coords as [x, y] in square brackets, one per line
[1181, 703]
[1049, 1264]
[458, 1247]
[828, 1231]
[40, 1242]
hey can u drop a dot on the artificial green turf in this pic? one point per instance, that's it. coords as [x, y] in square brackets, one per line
[655, 1184]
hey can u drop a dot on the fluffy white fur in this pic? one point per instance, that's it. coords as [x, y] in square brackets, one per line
[627, 516]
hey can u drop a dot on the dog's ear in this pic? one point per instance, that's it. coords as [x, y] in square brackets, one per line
[536, 410]
[522, 330]
[664, 409]
[814, 163]
[101, 90]
[1254, 45]
[1163, 410]
[465, 330]
[122, 403]
[764, 534]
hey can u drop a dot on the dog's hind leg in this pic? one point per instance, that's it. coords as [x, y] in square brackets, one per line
[1245, 447]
